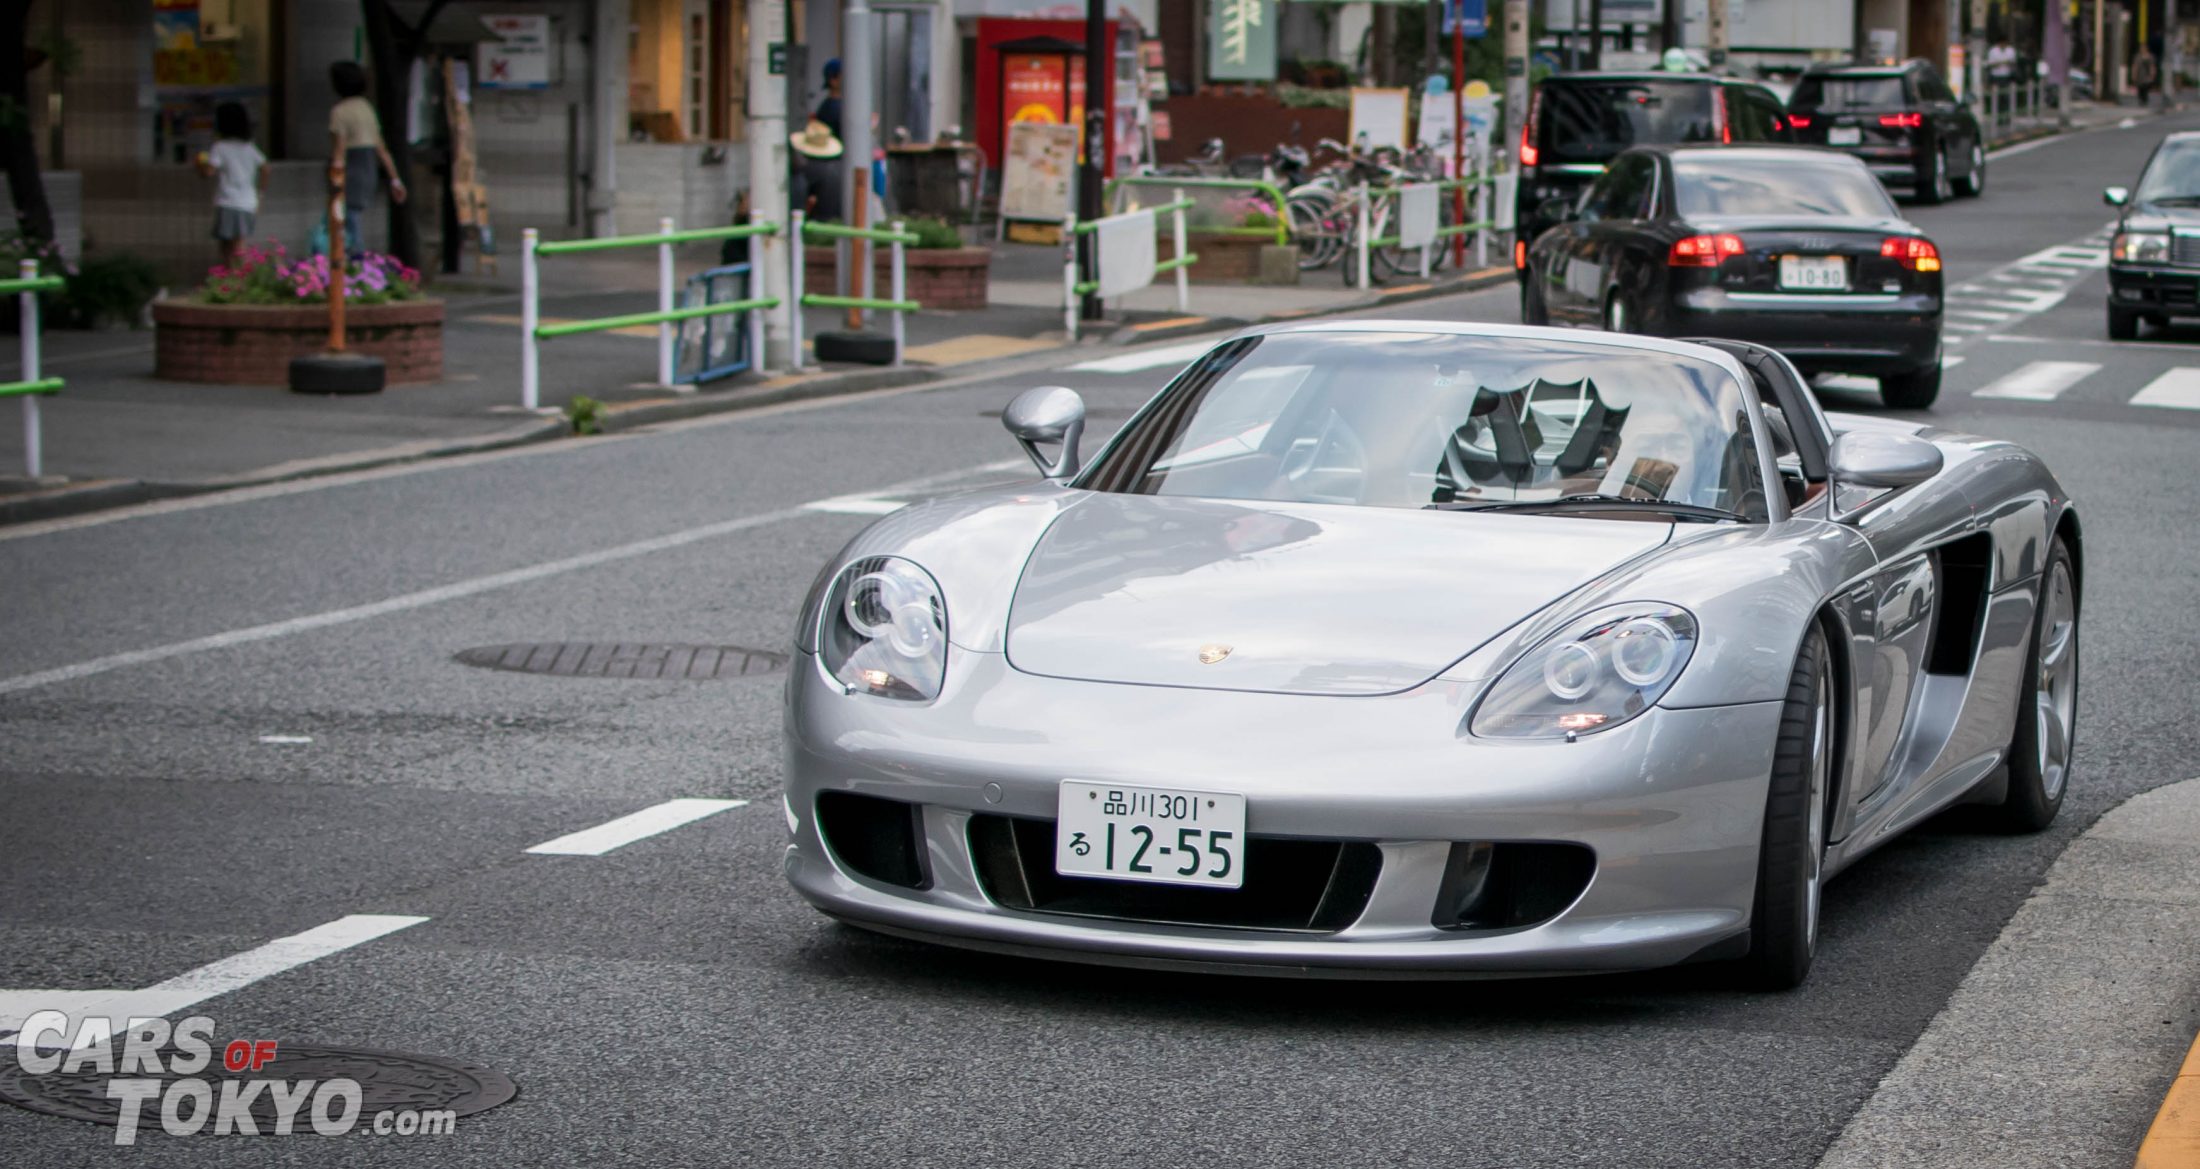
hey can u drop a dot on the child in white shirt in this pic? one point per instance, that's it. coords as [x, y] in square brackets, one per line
[239, 171]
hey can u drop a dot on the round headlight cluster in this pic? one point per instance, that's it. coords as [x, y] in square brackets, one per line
[883, 630]
[1597, 673]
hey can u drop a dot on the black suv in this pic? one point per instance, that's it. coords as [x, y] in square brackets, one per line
[1902, 120]
[1578, 122]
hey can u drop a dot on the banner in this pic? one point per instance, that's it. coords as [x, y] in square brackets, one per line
[1241, 40]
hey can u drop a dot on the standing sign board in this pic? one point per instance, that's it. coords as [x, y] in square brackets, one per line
[1039, 172]
[519, 57]
[1380, 115]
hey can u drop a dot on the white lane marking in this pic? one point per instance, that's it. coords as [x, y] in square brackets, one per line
[1144, 359]
[450, 592]
[857, 505]
[640, 825]
[1981, 313]
[2179, 389]
[219, 977]
[2068, 256]
[2038, 381]
[1951, 361]
[1845, 381]
[2094, 343]
[286, 739]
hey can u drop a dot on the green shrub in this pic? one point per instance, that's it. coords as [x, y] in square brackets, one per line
[584, 415]
[933, 232]
[113, 287]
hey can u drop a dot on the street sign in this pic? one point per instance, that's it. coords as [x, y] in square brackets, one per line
[1474, 12]
[775, 58]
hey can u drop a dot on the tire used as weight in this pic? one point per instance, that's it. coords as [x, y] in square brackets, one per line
[337, 373]
[860, 348]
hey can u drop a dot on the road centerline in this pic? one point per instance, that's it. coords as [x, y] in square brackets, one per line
[650, 821]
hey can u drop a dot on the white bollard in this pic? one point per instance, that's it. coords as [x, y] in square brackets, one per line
[756, 292]
[794, 290]
[529, 315]
[897, 286]
[1362, 235]
[1069, 274]
[34, 452]
[1183, 271]
[664, 304]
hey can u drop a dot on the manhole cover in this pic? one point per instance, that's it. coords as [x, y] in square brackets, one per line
[388, 1081]
[606, 659]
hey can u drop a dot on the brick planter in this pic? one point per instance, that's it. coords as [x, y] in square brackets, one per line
[252, 344]
[937, 278]
[1223, 259]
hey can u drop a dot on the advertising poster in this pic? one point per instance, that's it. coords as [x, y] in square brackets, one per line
[1039, 172]
[1031, 88]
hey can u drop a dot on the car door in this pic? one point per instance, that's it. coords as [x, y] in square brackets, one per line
[1558, 256]
[1605, 243]
[1953, 131]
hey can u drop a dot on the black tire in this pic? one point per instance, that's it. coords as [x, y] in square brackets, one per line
[1973, 182]
[2044, 739]
[337, 373]
[2123, 324]
[860, 348]
[1914, 390]
[1783, 920]
[1532, 309]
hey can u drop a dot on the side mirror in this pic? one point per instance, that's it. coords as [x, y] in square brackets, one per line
[2116, 196]
[1048, 414]
[1866, 459]
[1556, 209]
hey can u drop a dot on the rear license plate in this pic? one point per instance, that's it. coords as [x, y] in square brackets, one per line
[1166, 835]
[1814, 273]
[1843, 135]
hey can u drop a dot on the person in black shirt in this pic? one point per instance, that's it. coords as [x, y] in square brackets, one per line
[828, 111]
[816, 180]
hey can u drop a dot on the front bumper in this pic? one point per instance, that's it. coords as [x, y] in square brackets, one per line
[1671, 804]
[2160, 289]
[1890, 333]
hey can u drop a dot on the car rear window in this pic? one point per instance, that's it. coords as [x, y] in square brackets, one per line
[1848, 93]
[1790, 184]
[1592, 122]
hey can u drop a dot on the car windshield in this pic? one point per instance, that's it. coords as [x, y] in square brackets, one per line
[1790, 183]
[2174, 173]
[1577, 122]
[1420, 419]
[1849, 93]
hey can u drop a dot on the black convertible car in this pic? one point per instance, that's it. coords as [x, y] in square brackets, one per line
[1797, 249]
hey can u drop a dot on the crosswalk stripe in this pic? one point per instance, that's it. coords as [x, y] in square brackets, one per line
[1144, 359]
[1981, 313]
[2038, 381]
[2179, 389]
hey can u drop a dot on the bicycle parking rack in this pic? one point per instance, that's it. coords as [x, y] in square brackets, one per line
[535, 332]
[31, 387]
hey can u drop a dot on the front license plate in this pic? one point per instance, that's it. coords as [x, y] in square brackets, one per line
[1843, 135]
[1166, 835]
[1814, 273]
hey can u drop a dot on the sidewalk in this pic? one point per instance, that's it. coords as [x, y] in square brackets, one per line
[118, 435]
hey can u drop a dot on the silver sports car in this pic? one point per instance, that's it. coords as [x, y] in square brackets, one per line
[1407, 648]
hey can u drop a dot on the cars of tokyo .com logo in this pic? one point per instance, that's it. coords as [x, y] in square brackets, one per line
[178, 1077]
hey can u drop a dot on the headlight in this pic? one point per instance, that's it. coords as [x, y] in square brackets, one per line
[1597, 673]
[883, 630]
[2140, 247]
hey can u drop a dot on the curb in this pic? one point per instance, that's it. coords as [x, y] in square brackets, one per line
[2173, 1142]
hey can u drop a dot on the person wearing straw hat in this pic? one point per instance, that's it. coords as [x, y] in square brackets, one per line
[817, 172]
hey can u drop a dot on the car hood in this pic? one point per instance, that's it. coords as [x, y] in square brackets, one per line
[1306, 598]
[2155, 217]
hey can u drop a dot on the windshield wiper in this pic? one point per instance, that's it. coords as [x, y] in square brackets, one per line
[1591, 502]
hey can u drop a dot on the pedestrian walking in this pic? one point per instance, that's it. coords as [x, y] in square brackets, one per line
[240, 173]
[816, 187]
[2145, 74]
[355, 148]
[828, 111]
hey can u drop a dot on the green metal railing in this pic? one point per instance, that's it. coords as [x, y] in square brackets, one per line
[1281, 231]
[894, 302]
[31, 387]
[1082, 287]
[666, 316]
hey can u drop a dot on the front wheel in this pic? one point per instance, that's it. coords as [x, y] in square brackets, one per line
[2123, 324]
[1532, 309]
[2041, 744]
[1914, 390]
[1791, 853]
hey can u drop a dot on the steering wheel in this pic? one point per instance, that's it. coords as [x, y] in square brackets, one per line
[1328, 467]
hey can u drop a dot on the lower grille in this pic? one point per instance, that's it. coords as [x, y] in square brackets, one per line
[1313, 886]
[875, 838]
[1507, 886]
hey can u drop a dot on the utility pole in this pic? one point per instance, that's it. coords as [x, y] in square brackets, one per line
[1596, 34]
[2100, 49]
[767, 148]
[2171, 56]
[857, 105]
[1974, 52]
[1099, 66]
[1717, 11]
[1516, 71]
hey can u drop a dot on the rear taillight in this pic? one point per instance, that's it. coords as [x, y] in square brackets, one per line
[1703, 251]
[1528, 152]
[1520, 253]
[1799, 121]
[1918, 255]
[1902, 121]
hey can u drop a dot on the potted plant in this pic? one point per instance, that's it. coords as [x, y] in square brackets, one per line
[252, 316]
[939, 270]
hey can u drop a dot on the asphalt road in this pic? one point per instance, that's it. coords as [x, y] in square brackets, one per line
[239, 718]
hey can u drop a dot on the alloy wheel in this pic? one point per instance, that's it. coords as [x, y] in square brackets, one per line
[1615, 316]
[1821, 779]
[2056, 699]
